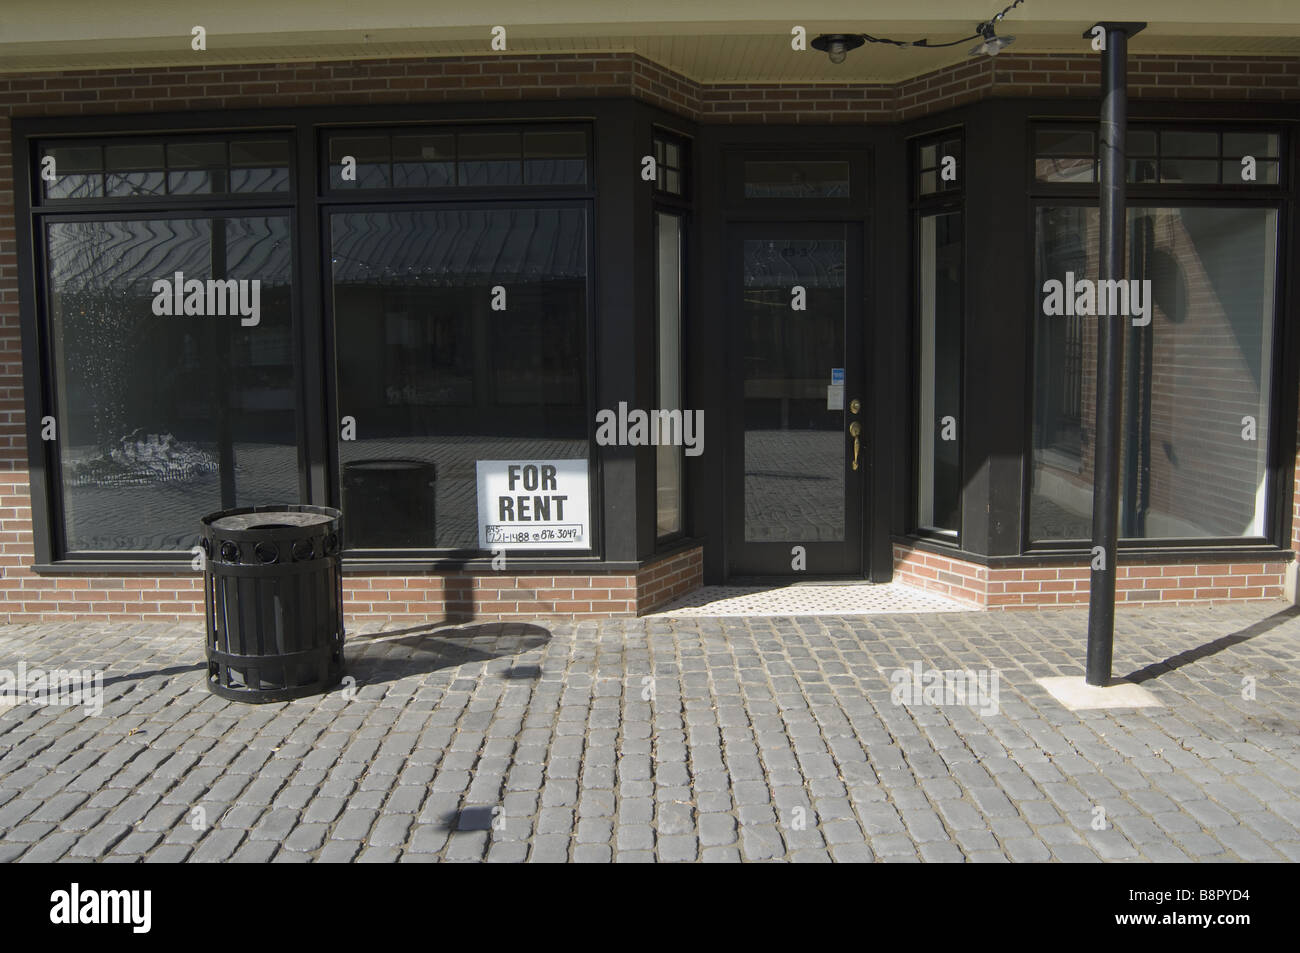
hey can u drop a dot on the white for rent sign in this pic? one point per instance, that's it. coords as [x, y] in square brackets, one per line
[533, 504]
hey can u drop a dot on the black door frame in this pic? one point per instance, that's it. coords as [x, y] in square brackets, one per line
[876, 156]
[776, 558]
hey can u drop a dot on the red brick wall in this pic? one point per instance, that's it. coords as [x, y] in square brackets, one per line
[449, 597]
[1150, 77]
[1024, 587]
[15, 494]
[662, 582]
[581, 75]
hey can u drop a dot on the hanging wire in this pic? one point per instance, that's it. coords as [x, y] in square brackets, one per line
[935, 46]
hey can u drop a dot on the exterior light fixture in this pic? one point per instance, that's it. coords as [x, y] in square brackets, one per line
[837, 45]
[990, 43]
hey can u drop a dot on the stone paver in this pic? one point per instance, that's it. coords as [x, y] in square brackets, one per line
[672, 739]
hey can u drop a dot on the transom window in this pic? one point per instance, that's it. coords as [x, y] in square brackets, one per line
[670, 164]
[142, 168]
[1165, 156]
[488, 156]
[938, 165]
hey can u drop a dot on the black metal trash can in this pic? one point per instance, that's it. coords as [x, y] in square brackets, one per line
[390, 504]
[273, 588]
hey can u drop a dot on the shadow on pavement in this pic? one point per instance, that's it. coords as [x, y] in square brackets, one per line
[1156, 669]
[371, 657]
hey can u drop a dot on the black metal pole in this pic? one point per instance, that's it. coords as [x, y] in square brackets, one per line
[1110, 353]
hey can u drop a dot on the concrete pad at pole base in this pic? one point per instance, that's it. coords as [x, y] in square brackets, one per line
[1075, 693]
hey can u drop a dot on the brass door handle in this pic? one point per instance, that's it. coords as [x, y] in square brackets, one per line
[855, 431]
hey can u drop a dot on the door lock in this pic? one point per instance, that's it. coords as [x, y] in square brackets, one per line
[855, 405]
[855, 431]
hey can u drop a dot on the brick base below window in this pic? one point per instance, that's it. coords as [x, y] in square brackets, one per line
[451, 597]
[1061, 584]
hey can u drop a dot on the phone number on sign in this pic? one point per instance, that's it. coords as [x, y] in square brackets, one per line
[547, 534]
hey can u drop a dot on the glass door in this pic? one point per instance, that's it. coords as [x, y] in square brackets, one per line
[796, 446]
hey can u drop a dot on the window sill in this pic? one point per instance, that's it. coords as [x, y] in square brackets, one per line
[937, 544]
[1222, 552]
[362, 565]
[672, 545]
[1181, 551]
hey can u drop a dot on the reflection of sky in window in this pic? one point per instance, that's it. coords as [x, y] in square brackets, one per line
[399, 247]
[128, 255]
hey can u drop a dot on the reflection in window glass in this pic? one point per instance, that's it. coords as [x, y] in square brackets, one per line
[1140, 142]
[259, 165]
[134, 169]
[939, 378]
[1189, 171]
[371, 156]
[143, 168]
[78, 172]
[1190, 377]
[433, 375]
[424, 161]
[1140, 171]
[668, 231]
[490, 158]
[796, 179]
[1174, 142]
[1235, 173]
[1261, 145]
[555, 158]
[1065, 142]
[448, 159]
[1168, 156]
[670, 161]
[949, 165]
[196, 167]
[1065, 169]
[165, 418]
[794, 431]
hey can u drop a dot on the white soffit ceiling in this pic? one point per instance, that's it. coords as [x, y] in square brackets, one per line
[709, 41]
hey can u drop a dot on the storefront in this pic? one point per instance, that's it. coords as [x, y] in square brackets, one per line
[612, 334]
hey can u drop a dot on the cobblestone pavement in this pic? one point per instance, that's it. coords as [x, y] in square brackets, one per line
[671, 739]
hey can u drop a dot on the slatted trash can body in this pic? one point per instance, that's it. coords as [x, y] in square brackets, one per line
[273, 589]
[390, 504]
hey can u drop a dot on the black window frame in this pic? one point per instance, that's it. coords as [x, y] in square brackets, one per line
[919, 167]
[940, 202]
[1158, 128]
[1154, 194]
[48, 522]
[684, 171]
[857, 205]
[587, 206]
[620, 542]
[682, 205]
[40, 203]
[326, 192]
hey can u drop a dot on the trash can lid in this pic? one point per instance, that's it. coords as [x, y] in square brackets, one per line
[270, 518]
